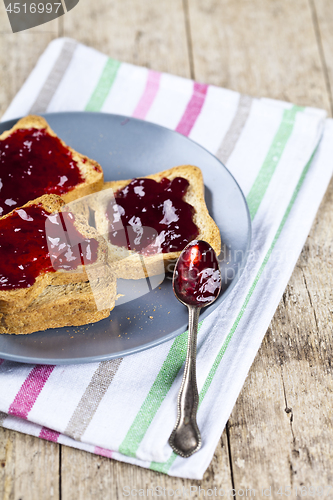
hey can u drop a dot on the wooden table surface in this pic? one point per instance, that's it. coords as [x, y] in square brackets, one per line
[280, 432]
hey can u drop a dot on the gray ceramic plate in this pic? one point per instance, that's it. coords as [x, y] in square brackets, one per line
[128, 148]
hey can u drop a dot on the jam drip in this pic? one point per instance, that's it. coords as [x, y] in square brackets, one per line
[33, 242]
[33, 163]
[151, 217]
[197, 278]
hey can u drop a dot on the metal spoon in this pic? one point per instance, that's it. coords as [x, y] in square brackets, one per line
[196, 284]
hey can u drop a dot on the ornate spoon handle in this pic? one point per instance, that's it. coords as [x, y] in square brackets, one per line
[185, 438]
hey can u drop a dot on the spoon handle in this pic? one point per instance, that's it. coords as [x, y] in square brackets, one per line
[185, 438]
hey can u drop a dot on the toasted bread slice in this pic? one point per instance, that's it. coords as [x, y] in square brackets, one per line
[58, 306]
[18, 298]
[130, 265]
[90, 170]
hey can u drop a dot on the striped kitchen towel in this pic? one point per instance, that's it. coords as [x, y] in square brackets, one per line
[281, 155]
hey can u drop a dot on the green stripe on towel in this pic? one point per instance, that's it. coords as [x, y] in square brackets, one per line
[272, 159]
[156, 395]
[103, 86]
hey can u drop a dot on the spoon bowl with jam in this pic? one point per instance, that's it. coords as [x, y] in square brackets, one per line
[196, 283]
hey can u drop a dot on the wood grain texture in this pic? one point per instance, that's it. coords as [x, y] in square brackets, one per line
[29, 467]
[322, 14]
[87, 477]
[281, 427]
[19, 54]
[146, 33]
[261, 47]
[284, 413]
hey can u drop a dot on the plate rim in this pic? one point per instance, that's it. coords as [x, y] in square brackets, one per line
[175, 333]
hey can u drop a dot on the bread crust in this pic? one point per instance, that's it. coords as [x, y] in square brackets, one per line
[20, 298]
[58, 306]
[130, 265]
[90, 170]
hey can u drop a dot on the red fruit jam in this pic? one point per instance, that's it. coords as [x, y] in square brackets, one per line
[154, 215]
[33, 163]
[33, 242]
[197, 277]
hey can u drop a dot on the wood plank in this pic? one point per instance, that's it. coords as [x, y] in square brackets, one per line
[281, 426]
[86, 476]
[19, 54]
[298, 345]
[136, 32]
[29, 467]
[259, 428]
[322, 13]
[307, 371]
[262, 48]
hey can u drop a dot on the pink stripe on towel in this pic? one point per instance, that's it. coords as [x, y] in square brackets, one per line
[193, 109]
[30, 390]
[103, 452]
[49, 434]
[148, 96]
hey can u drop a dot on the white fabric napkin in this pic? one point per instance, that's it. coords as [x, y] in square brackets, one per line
[281, 155]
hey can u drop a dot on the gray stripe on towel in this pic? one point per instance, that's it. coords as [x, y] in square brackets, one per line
[55, 76]
[91, 398]
[236, 127]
